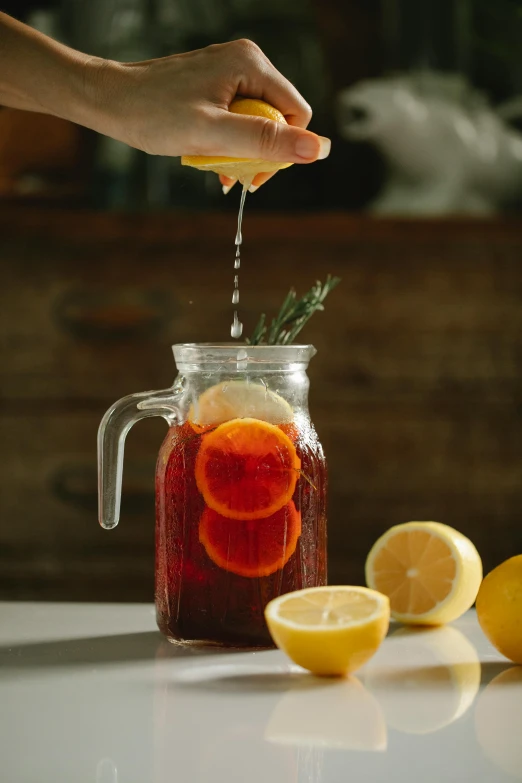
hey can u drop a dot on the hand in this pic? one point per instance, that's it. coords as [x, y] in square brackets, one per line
[178, 105]
[174, 105]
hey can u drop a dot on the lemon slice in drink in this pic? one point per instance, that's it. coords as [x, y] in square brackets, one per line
[243, 169]
[430, 572]
[238, 400]
[331, 631]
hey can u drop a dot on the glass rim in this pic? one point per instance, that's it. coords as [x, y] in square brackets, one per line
[193, 355]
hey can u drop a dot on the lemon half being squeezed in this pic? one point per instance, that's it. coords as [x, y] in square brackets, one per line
[242, 169]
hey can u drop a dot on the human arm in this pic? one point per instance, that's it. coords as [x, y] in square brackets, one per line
[175, 105]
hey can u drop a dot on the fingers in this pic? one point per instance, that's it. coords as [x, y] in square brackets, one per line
[227, 183]
[254, 137]
[260, 179]
[279, 92]
[262, 80]
[241, 136]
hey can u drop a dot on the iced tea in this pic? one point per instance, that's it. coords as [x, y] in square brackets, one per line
[240, 519]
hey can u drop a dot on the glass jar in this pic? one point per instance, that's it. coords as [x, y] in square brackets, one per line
[240, 488]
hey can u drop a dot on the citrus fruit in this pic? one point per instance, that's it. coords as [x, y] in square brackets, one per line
[246, 469]
[441, 661]
[237, 400]
[498, 718]
[430, 572]
[342, 715]
[243, 169]
[329, 630]
[499, 608]
[255, 547]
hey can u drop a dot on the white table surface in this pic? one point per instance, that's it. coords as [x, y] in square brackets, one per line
[92, 693]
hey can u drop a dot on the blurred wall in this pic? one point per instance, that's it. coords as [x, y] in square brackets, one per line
[415, 390]
[108, 257]
[322, 46]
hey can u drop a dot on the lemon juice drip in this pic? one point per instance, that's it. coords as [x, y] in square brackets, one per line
[236, 330]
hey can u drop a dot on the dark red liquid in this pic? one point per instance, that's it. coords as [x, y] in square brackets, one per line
[197, 599]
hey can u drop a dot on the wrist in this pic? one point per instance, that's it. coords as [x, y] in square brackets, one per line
[108, 91]
[97, 89]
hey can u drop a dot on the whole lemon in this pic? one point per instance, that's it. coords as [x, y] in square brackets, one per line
[499, 608]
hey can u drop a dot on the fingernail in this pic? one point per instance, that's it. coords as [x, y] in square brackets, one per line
[324, 147]
[227, 188]
[306, 147]
[253, 188]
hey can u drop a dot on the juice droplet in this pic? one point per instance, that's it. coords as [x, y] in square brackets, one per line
[236, 329]
[239, 236]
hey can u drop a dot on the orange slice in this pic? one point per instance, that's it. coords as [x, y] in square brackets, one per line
[430, 572]
[247, 469]
[255, 547]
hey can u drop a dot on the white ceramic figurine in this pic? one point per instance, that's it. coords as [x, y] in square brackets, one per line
[446, 149]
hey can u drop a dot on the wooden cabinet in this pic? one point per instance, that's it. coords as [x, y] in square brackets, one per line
[416, 388]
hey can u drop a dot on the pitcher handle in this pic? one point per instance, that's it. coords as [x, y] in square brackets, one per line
[111, 444]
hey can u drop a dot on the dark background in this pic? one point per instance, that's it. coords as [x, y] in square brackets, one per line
[417, 387]
[321, 45]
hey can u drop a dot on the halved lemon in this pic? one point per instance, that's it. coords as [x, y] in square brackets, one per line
[331, 631]
[430, 572]
[238, 400]
[243, 169]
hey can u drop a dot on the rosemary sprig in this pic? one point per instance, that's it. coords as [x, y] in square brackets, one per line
[293, 315]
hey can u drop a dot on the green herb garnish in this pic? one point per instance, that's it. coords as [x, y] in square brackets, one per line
[293, 315]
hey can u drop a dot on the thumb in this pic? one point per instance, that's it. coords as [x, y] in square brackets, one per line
[241, 136]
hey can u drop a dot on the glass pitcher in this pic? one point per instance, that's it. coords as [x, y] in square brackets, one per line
[240, 488]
